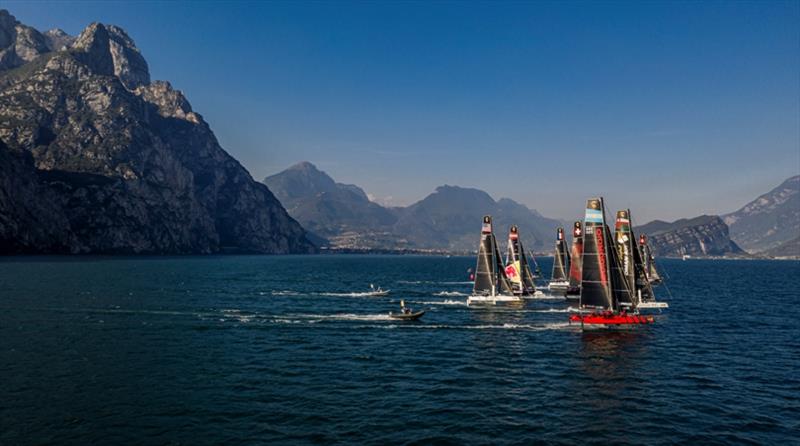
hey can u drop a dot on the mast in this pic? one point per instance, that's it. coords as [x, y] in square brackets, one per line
[596, 286]
[528, 285]
[576, 258]
[503, 285]
[623, 296]
[560, 258]
[626, 289]
[513, 269]
[642, 284]
[518, 270]
[648, 261]
[485, 274]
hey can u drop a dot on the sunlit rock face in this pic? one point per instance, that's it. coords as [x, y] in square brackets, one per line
[99, 159]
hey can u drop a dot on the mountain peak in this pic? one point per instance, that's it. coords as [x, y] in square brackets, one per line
[19, 44]
[305, 166]
[110, 51]
[58, 39]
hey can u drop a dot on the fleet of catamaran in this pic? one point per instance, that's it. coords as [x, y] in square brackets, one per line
[611, 277]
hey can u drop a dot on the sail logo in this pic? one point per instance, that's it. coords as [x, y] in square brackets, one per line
[576, 231]
[594, 216]
[511, 271]
[601, 253]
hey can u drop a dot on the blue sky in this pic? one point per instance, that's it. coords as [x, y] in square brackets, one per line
[670, 108]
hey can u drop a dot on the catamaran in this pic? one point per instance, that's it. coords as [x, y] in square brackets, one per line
[491, 283]
[518, 270]
[649, 261]
[559, 282]
[574, 290]
[633, 265]
[606, 297]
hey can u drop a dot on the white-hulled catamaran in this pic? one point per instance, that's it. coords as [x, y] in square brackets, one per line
[518, 269]
[649, 261]
[491, 286]
[559, 281]
[609, 294]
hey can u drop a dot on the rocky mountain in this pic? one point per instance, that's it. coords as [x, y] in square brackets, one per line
[706, 235]
[789, 249]
[447, 219]
[450, 218]
[96, 158]
[768, 221]
[327, 208]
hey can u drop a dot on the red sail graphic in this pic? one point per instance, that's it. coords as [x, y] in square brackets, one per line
[601, 252]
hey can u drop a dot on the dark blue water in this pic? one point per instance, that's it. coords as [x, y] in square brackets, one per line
[246, 350]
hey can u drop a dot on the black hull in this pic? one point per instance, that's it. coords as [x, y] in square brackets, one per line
[407, 317]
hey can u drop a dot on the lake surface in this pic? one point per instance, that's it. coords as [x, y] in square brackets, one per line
[261, 349]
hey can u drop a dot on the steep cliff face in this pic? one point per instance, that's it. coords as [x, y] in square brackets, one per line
[125, 165]
[701, 236]
[770, 220]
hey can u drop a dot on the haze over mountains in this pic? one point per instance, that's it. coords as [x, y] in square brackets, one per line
[448, 219]
[444, 220]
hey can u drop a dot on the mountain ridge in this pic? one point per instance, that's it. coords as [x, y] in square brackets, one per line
[109, 162]
[448, 219]
[769, 220]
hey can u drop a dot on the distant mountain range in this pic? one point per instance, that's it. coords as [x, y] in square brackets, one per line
[97, 158]
[343, 217]
[769, 221]
[448, 219]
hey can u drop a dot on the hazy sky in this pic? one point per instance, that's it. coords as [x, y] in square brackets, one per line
[673, 109]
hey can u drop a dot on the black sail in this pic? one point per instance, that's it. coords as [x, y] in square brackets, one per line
[560, 258]
[648, 261]
[527, 276]
[490, 277]
[576, 257]
[642, 283]
[596, 283]
[485, 276]
[503, 284]
[624, 269]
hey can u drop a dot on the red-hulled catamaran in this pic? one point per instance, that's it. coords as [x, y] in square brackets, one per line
[606, 297]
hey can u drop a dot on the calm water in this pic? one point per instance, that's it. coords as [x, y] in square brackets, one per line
[244, 350]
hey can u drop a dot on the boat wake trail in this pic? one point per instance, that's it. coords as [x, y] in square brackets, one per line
[284, 293]
[433, 282]
[517, 327]
[341, 317]
[443, 302]
[353, 294]
[450, 293]
[544, 297]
